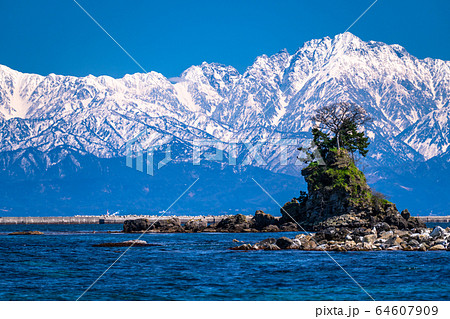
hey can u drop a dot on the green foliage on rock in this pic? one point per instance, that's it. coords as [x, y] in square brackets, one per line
[350, 140]
[339, 176]
[339, 196]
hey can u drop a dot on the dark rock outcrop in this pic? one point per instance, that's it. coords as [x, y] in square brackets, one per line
[234, 224]
[136, 225]
[171, 225]
[284, 242]
[405, 214]
[262, 220]
[196, 225]
[338, 196]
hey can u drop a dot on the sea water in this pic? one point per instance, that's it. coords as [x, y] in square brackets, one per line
[62, 264]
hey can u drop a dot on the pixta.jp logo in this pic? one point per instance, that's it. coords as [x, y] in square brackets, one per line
[233, 153]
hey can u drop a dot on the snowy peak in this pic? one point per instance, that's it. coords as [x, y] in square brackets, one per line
[15, 92]
[430, 136]
[407, 97]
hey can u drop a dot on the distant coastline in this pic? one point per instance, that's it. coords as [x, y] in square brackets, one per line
[105, 219]
[101, 219]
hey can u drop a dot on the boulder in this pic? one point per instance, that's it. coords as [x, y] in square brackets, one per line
[386, 235]
[437, 247]
[331, 233]
[243, 247]
[309, 245]
[338, 248]
[262, 220]
[236, 223]
[382, 226]
[170, 225]
[272, 247]
[265, 243]
[369, 238]
[394, 241]
[396, 220]
[296, 244]
[413, 243]
[415, 223]
[401, 233]
[405, 214]
[284, 242]
[350, 245]
[136, 225]
[437, 232]
[196, 224]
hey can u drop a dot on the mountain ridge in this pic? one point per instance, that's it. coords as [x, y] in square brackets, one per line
[273, 99]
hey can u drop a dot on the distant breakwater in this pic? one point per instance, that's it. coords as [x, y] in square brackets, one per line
[99, 219]
[120, 219]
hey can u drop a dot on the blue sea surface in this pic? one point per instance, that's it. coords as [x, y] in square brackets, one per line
[62, 264]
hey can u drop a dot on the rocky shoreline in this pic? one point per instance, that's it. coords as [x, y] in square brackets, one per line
[260, 222]
[348, 232]
[360, 239]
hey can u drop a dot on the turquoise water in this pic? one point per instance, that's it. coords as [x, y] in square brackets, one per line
[62, 264]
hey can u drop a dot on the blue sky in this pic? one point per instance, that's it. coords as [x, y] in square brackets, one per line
[169, 36]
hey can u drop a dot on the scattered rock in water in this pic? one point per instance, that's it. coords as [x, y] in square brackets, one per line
[32, 232]
[284, 242]
[171, 225]
[243, 247]
[265, 243]
[272, 247]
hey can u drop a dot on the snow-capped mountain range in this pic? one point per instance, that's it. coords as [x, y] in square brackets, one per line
[407, 97]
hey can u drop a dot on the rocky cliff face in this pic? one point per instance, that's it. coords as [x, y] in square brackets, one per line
[338, 196]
